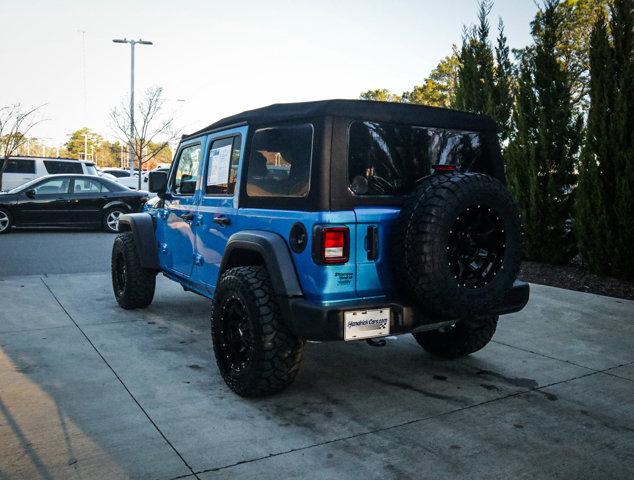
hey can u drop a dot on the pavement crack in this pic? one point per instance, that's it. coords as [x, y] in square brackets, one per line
[120, 380]
[403, 424]
[546, 356]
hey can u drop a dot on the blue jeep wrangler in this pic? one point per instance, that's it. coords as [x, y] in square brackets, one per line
[332, 220]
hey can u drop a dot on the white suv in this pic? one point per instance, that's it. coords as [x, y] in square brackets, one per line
[20, 170]
[124, 177]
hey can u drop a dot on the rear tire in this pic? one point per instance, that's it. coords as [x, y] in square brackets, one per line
[256, 353]
[110, 219]
[132, 284]
[460, 340]
[5, 221]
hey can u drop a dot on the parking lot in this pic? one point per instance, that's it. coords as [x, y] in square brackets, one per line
[88, 390]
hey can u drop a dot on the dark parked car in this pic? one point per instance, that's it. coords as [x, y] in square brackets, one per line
[68, 200]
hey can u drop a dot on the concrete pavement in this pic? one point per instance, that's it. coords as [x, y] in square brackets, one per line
[50, 250]
[88, 390]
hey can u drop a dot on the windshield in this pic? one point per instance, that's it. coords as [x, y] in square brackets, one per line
[90, 169]
[388, 159]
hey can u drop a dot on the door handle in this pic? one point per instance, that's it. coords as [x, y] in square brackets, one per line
[372, 242]
[222, 220]
[188, 217]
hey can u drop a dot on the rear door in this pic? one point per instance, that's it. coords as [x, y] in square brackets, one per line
[177, 249]
[87, 198]
[217, 219]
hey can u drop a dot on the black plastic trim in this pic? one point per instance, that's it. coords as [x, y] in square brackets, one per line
[275, 253]
[314, 321]
[142, 227]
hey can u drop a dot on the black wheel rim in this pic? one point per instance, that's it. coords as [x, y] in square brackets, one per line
[120, 274]
[236, 335]
[476, 246]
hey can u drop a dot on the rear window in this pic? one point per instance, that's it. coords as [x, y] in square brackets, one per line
[91, 169]
[222, 168]
[56, 167]
[388, 159]
[15, 165]
[88, 185]
[279, 164]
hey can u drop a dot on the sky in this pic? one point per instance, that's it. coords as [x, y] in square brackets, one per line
[223, 57]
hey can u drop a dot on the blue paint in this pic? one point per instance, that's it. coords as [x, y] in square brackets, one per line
[191, 252]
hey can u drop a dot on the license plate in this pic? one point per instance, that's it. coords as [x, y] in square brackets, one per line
[360, 324]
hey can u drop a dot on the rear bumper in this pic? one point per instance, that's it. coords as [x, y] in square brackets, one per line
[314, 321]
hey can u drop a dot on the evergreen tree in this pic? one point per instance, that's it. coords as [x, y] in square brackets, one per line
[485, 74]
[604, 224]
[475, 87]
[502, 88]
[542, 154]
[592, 205]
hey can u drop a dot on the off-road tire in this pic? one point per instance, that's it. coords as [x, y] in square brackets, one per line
[273, 354]
[464, 338]
[132, 284]
[4, 214]
[422, 235]
[105, 219]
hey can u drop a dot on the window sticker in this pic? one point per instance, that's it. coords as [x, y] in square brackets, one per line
[219, 162]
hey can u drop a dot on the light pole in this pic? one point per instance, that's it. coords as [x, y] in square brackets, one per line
[132, 44]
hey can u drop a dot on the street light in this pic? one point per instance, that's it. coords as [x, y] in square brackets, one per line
[132, 44]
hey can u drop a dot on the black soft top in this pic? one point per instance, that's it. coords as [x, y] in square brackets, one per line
[392, 112]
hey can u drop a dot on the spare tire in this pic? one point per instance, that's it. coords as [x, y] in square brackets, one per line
[457, 244]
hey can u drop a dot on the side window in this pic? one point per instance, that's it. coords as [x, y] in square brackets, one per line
[222, 167]
[186, 175]
[20, 166]
[279, 164]
[53, 186]
[86, 185]
[55, 167]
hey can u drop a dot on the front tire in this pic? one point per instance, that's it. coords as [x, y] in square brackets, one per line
[463, 338]
[256, 353]
[132, 284]
[5, 221]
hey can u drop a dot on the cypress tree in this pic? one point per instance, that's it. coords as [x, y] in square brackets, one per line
[502, 88]
[485, 75]
[474, 90]
[542, 154]
[604, 209]
[592, 220]
[622, 26]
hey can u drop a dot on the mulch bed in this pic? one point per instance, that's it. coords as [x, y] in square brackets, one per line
[574, 277]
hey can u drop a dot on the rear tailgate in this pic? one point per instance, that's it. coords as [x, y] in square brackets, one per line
[372, 248]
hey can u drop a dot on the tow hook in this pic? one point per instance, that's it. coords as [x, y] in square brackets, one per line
[373, 342]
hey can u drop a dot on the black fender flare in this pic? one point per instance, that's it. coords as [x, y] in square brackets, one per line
[275, 254]
[142, 227]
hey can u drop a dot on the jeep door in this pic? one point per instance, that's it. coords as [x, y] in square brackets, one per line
[177, 248]
[217, 212]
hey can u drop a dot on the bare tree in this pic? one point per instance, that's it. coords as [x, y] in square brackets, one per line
[153, 128]
[15, 124]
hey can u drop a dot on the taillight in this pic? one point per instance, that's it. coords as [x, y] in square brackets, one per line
[443, 168]
[331, 245]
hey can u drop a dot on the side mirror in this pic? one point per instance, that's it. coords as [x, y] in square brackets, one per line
[158, 183]
[30, 193]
